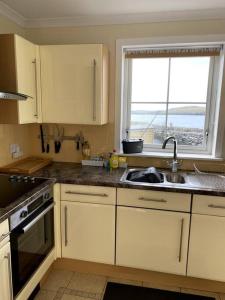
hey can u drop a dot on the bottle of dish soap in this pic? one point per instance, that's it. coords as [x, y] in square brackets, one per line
[114, 160]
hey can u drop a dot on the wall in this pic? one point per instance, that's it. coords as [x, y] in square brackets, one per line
[103, 138]
[16, 134]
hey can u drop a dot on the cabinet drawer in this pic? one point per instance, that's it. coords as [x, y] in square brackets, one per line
[154, 199]
[88, 194]
[208, 205]
[4, 230]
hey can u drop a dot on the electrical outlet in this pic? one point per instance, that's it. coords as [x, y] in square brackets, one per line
[15, 150]
[12, 148]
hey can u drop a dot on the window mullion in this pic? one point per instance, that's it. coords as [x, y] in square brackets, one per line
[209, 109]
[128, 96]
[168, 95]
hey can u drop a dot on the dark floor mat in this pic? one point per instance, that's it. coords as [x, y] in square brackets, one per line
[118, 291]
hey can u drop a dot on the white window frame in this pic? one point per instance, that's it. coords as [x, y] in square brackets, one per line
[216, 123]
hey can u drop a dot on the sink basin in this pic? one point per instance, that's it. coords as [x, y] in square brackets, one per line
[175, 178]
[140, 176]
[166, 178]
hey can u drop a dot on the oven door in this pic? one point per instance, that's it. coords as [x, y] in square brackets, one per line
[31, 242]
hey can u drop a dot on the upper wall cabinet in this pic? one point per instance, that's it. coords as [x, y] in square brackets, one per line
[74, 80]
[20, 71]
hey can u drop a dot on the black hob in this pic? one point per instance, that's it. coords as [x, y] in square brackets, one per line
[14, 186]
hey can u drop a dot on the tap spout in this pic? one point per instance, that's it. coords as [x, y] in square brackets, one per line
[174, 145]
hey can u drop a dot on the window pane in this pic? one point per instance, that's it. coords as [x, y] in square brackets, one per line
[148, 122]
[149, 79]
[189, 79]
[187, 122]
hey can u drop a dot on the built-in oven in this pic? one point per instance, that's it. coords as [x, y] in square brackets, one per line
[32, 238]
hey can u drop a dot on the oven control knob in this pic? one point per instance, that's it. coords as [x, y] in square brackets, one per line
[23, 214]
[12, 178]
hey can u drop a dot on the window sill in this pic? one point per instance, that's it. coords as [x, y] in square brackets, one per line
[170, 155]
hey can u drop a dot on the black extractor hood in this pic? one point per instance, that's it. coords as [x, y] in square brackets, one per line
[13, 96]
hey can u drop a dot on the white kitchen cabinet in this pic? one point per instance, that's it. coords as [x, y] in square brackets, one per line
[20, 72]
[5, 263]
[154, 199]
[88, 231]
[74, 80]
[5, 273]
[207, 247]
[152, 239]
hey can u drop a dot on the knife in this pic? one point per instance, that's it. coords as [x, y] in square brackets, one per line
[42, 139]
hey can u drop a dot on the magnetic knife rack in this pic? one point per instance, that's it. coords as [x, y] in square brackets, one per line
[63, 138]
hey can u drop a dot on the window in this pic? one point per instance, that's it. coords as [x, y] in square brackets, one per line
[171, 92]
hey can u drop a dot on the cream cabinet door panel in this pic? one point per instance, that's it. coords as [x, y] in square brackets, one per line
[207, 247]
[208, 205]
[5, 273]
[152, 240]
[88, 231]
[72, 83]
[26, 69]
[154, 199]
[88, 194]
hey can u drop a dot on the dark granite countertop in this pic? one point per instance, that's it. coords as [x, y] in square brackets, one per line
[73, 173]
[25, 199]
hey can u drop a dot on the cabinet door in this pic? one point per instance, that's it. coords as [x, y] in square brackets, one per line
[207, 247]
[5, 273]
[26, 68]
[152, 240]
[72, 84]
[88, 231]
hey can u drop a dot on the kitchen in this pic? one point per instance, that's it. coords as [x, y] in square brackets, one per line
[42, 52]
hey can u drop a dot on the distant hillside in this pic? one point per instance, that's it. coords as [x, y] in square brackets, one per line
[191, 110]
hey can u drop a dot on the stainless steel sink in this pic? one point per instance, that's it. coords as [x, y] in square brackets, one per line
[175, 178]
[168, 178]
[189, 180]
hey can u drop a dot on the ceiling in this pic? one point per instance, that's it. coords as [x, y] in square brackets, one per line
[37, 11]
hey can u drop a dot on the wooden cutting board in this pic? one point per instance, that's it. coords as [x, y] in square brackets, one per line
[26, 166]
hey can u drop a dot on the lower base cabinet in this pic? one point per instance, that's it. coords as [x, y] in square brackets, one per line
[5, 273]
[152, 239]
[207, 247]
[88, 231]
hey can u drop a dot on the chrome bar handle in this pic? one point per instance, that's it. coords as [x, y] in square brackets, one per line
[94, 89]
[8, 257]
[216, 206]
[181, 239]
[66, 224]
[41, 215]
[35, 78]
[3, 236]
[152, 200]
[86, 194]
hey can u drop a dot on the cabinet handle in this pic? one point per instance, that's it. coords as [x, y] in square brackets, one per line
[35, 78]
[86, 194]
[94, 89]
[3, 236]
[181, 239]
[216, 206]
[152, 200]
[66, 223]
[8, 257]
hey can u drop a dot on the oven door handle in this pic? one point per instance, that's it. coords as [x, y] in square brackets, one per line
[44, 212]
